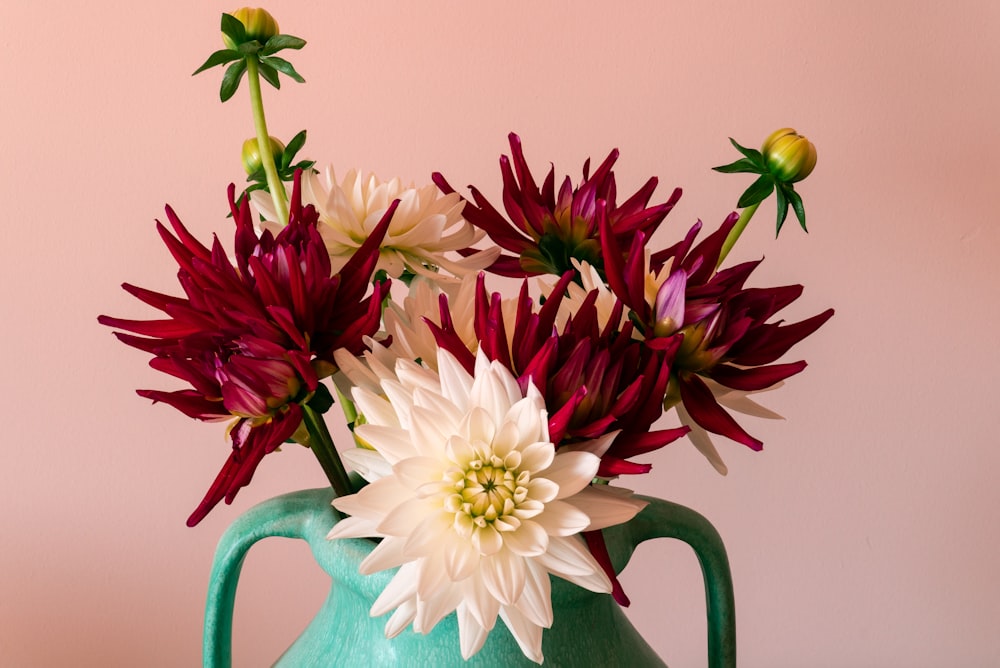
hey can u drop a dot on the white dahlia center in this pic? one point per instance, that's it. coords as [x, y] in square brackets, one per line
[488, 495]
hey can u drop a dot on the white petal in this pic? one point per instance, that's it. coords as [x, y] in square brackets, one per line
[375, 408]
[537, 456]
[406, 516]
[483, 606]
[353, 527]
[572, 471]
[604, 507]
[542, 490]
[413, 472]
[576, 564]
[562, 519]
[369, 464]
[393, 443]
[456, 383]
[568, 558]
[536, 601]
[401, 587]
[374, 501]
[527, 635]
[471, 634]
[432, 609]
[461, 560]
[387, 554]
[529, 540]
[401, 618]
[504, 576]
[597, 446]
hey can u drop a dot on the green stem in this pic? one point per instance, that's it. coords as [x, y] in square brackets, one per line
[322, 446]
[274, 184]
[737, 230]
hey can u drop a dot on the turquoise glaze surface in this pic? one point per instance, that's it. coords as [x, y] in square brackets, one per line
[589, 629]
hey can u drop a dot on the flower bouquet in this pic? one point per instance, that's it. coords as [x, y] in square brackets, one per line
[491, 428]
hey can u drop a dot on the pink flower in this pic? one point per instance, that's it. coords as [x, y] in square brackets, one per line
[253, 339]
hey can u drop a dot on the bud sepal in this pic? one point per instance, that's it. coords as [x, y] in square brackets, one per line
[256, 40]
[785, 159]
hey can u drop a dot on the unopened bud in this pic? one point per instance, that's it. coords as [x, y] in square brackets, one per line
[259, 24]
[790, 157]
[251, 154]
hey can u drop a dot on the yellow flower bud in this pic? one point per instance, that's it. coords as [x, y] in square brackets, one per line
[259, 24]
[251, 154]
[790, 157]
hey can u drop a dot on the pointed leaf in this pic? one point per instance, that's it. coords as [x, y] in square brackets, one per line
[293, 146]
[796, 200]
[283, 66]
[782, 207]
[269, 74]
[741, 165]
[220, 57]
[751, 153]
[279, 42]
[233, 28]
[757, 192]
[231, 79]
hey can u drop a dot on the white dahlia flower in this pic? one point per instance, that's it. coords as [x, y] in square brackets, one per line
[474, 505]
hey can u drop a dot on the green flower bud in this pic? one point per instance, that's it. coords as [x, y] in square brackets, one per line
[259, 24]
[251, 154]
[790, 157]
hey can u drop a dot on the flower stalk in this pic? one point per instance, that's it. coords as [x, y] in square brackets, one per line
[321, 443]
[274, 184]
[734, 234]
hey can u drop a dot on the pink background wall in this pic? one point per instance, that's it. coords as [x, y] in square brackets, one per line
[865, 534]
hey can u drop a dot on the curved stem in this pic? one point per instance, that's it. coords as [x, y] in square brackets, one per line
[321, 443]
[737, 230]
[274, 184]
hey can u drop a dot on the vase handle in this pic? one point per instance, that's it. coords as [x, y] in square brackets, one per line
[663, 519]
[295, 515]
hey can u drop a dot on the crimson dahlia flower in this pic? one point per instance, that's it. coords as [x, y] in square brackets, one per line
[727, 339]
[546, 229]
[253, 339]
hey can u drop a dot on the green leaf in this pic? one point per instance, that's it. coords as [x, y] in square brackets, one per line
[751, 153]
[220, 57]
[292, 148]
[322, 399]
[782, 208]
[249, 48]
[234, 28]
[741, 165]
[283, 66]
[279, 42]
[269, 73]
[796, 201]
[757, 192]
[231, 79]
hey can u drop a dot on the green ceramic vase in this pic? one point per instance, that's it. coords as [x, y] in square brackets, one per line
[589, 629]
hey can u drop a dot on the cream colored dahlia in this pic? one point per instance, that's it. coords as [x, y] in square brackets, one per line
[426, 230]
[474, 506]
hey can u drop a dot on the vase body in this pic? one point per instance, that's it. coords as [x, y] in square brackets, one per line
[588, 629]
